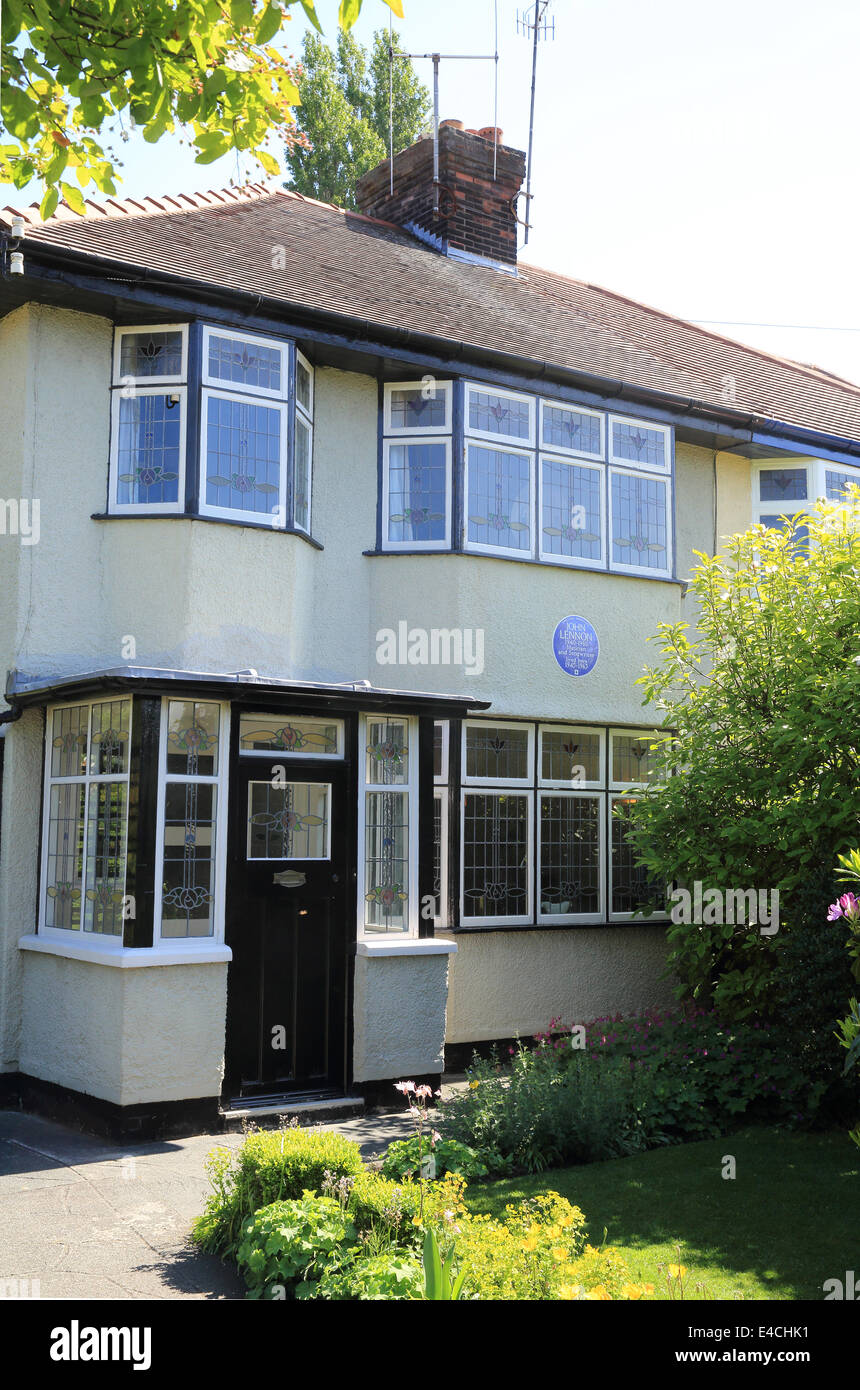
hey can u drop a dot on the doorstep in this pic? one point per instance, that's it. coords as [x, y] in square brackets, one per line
[307, 1107]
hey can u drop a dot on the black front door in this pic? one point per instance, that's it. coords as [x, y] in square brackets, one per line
[287, 911]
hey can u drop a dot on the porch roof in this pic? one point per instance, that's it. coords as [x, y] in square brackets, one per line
[241, 686]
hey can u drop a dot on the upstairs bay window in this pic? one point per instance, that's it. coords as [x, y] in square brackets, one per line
[211, 422]
[781, 491]
[416, 502]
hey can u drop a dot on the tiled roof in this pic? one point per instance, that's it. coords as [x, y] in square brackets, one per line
[355, 266]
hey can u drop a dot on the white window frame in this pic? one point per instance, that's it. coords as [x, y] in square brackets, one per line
[408, 432]
[306, 412]
[557, 919]
[440, 919]
[96, 940]
[279, 858]
[660, 470]
[644, 736]
[484, 547]
[147, 508]
[220, 384]
[792, 505]
[405, 440]
[221, 782]
[302, 418]
[618, 566]
[277, 755]
[410, 788]
[128, 379]
[559, 784]
[243, 398]
[500, 789]
[572, 561]
[552, 448]
[503, 783]
[516, 441]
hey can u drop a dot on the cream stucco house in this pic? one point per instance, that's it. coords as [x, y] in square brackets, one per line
[330, 547]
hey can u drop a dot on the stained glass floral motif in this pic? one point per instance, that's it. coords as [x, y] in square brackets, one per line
[417, 477]
[569, 854]
[243, 454]
[639, 444]
[189, 859]
[387, 752]
[151, 354]
[247, 364]
[632, 759]
[782, 484]
[386, 861]
[571, 430]
[289, 822]
[499, 498]
[639, 521]
[266, 733]
[148, 449]
[493, 414]
[495, 855]
[495, 754]
[567, 757]
[416, 407]
[571, 510]
[192, 738]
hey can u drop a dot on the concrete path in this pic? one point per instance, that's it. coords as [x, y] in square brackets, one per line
[90, 1219]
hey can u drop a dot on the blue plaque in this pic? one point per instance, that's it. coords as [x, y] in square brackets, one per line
[575, 646]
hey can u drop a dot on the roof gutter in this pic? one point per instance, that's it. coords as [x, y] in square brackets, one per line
[377, 336]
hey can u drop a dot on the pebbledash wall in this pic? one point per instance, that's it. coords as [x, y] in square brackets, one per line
[212, 597]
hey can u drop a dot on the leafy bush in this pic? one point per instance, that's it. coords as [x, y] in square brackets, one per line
[404, 1157]
[392, 1275]
[288, 1247]
[269, 1167]
[382, 1208]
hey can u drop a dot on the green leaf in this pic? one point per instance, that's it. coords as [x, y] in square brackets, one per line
[269, 23]
[348, 13]
[269, 163]
[74, 197]
[241, 13]
[48, 204]
[310, 10]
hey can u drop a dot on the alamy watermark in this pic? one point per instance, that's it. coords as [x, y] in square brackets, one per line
[720, 906]
[20, 516]
[436, 646]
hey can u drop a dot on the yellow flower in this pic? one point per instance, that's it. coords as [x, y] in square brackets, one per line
[569, 1291]
[569, 1271]
[648, 1288]
[631, 1291]
[598, 1294]
[473, 1085]
[677, 1271]
[554, 1232]
[530, 1243]
[559, 1253]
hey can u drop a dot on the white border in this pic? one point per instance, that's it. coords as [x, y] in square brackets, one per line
[662, 469]
[484, 547]
[516, 440]
[219, 383]
[565, 784]
[502, 782]
[574, 561]
[129, 378]
[292, 858]
[146, 508]
[277, 755]
[405, 441]
[408, 432]
[619, 566]
[235, 513]
[410, 787]
[557, 919]
[220, 782]
[499, 789]
[303, 420]
[551, 448]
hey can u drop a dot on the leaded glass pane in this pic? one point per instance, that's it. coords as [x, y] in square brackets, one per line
[639, 521]
[494, 414]
[569, 854]
[570, 429]
[278, 733]
[782, 484]
[439, 729]
[417, 492]
[499, 500]
[632, 759]
[570, 502]
[192, 738]
[188, 893]
[248, 364]
[106, 844]
[65, 856]
[303, 386]
[437, 851]
[288, 822]
[150, 354]
[570, 756]
[303, 474]
[386, 852]
[836, 484]
[148, 450]
[418, 407]
[387, 752]
[495, 855]
[243, 455]
[109, 738]
[636, 442]
[69, 741]
[497, 754]
[631, 887]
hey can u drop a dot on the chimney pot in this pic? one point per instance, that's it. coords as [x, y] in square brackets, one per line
[454, 125]
[491, 132]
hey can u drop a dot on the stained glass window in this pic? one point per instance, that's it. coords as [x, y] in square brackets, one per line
[490, 412]
[386, 861]
[290, 736]
[570, 755]
[149, 450]
[569, 831]
[570, 430]
[633, 441]
[782, 484]
[256, 365]
[571, 510]
[497, 752]
[417, 477]
[87, 817]
[192, 738]
[387, 757]
[640, 523]
[836, 484]
[289, 821]
[303, 474]
[419, 407]
[499, 499]
[151, 353]
[496, 870]
[304, 386]
[631, 887]
[244, 442]
[632, 758]
[191, 764]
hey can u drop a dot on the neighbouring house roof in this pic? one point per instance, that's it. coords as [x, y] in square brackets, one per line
[360, 268]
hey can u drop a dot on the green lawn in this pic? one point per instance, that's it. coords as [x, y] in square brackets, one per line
[788, 1221]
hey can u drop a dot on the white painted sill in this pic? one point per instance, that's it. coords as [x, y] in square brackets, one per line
[130, 957]
[408, 946]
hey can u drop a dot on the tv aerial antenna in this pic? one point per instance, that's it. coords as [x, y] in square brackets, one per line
[437, 58]
[533, 21]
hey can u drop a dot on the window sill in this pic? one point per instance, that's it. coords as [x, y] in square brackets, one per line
[128, 958]
[414, 946]
[654, 921]
[216, 520]
[541, 564]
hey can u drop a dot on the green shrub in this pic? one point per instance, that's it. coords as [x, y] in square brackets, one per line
[403, 1158]
[288, 1247]
[391, 1275]
[382, 1207]
[270, 1166]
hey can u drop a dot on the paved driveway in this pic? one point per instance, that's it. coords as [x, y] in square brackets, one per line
[90, 1219]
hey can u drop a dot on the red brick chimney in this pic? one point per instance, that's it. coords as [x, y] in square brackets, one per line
[476, 213]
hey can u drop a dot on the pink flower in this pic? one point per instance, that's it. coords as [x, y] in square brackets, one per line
[423, 1091]
[404, 1086]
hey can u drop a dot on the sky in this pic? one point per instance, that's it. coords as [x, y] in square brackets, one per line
[699, 157]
